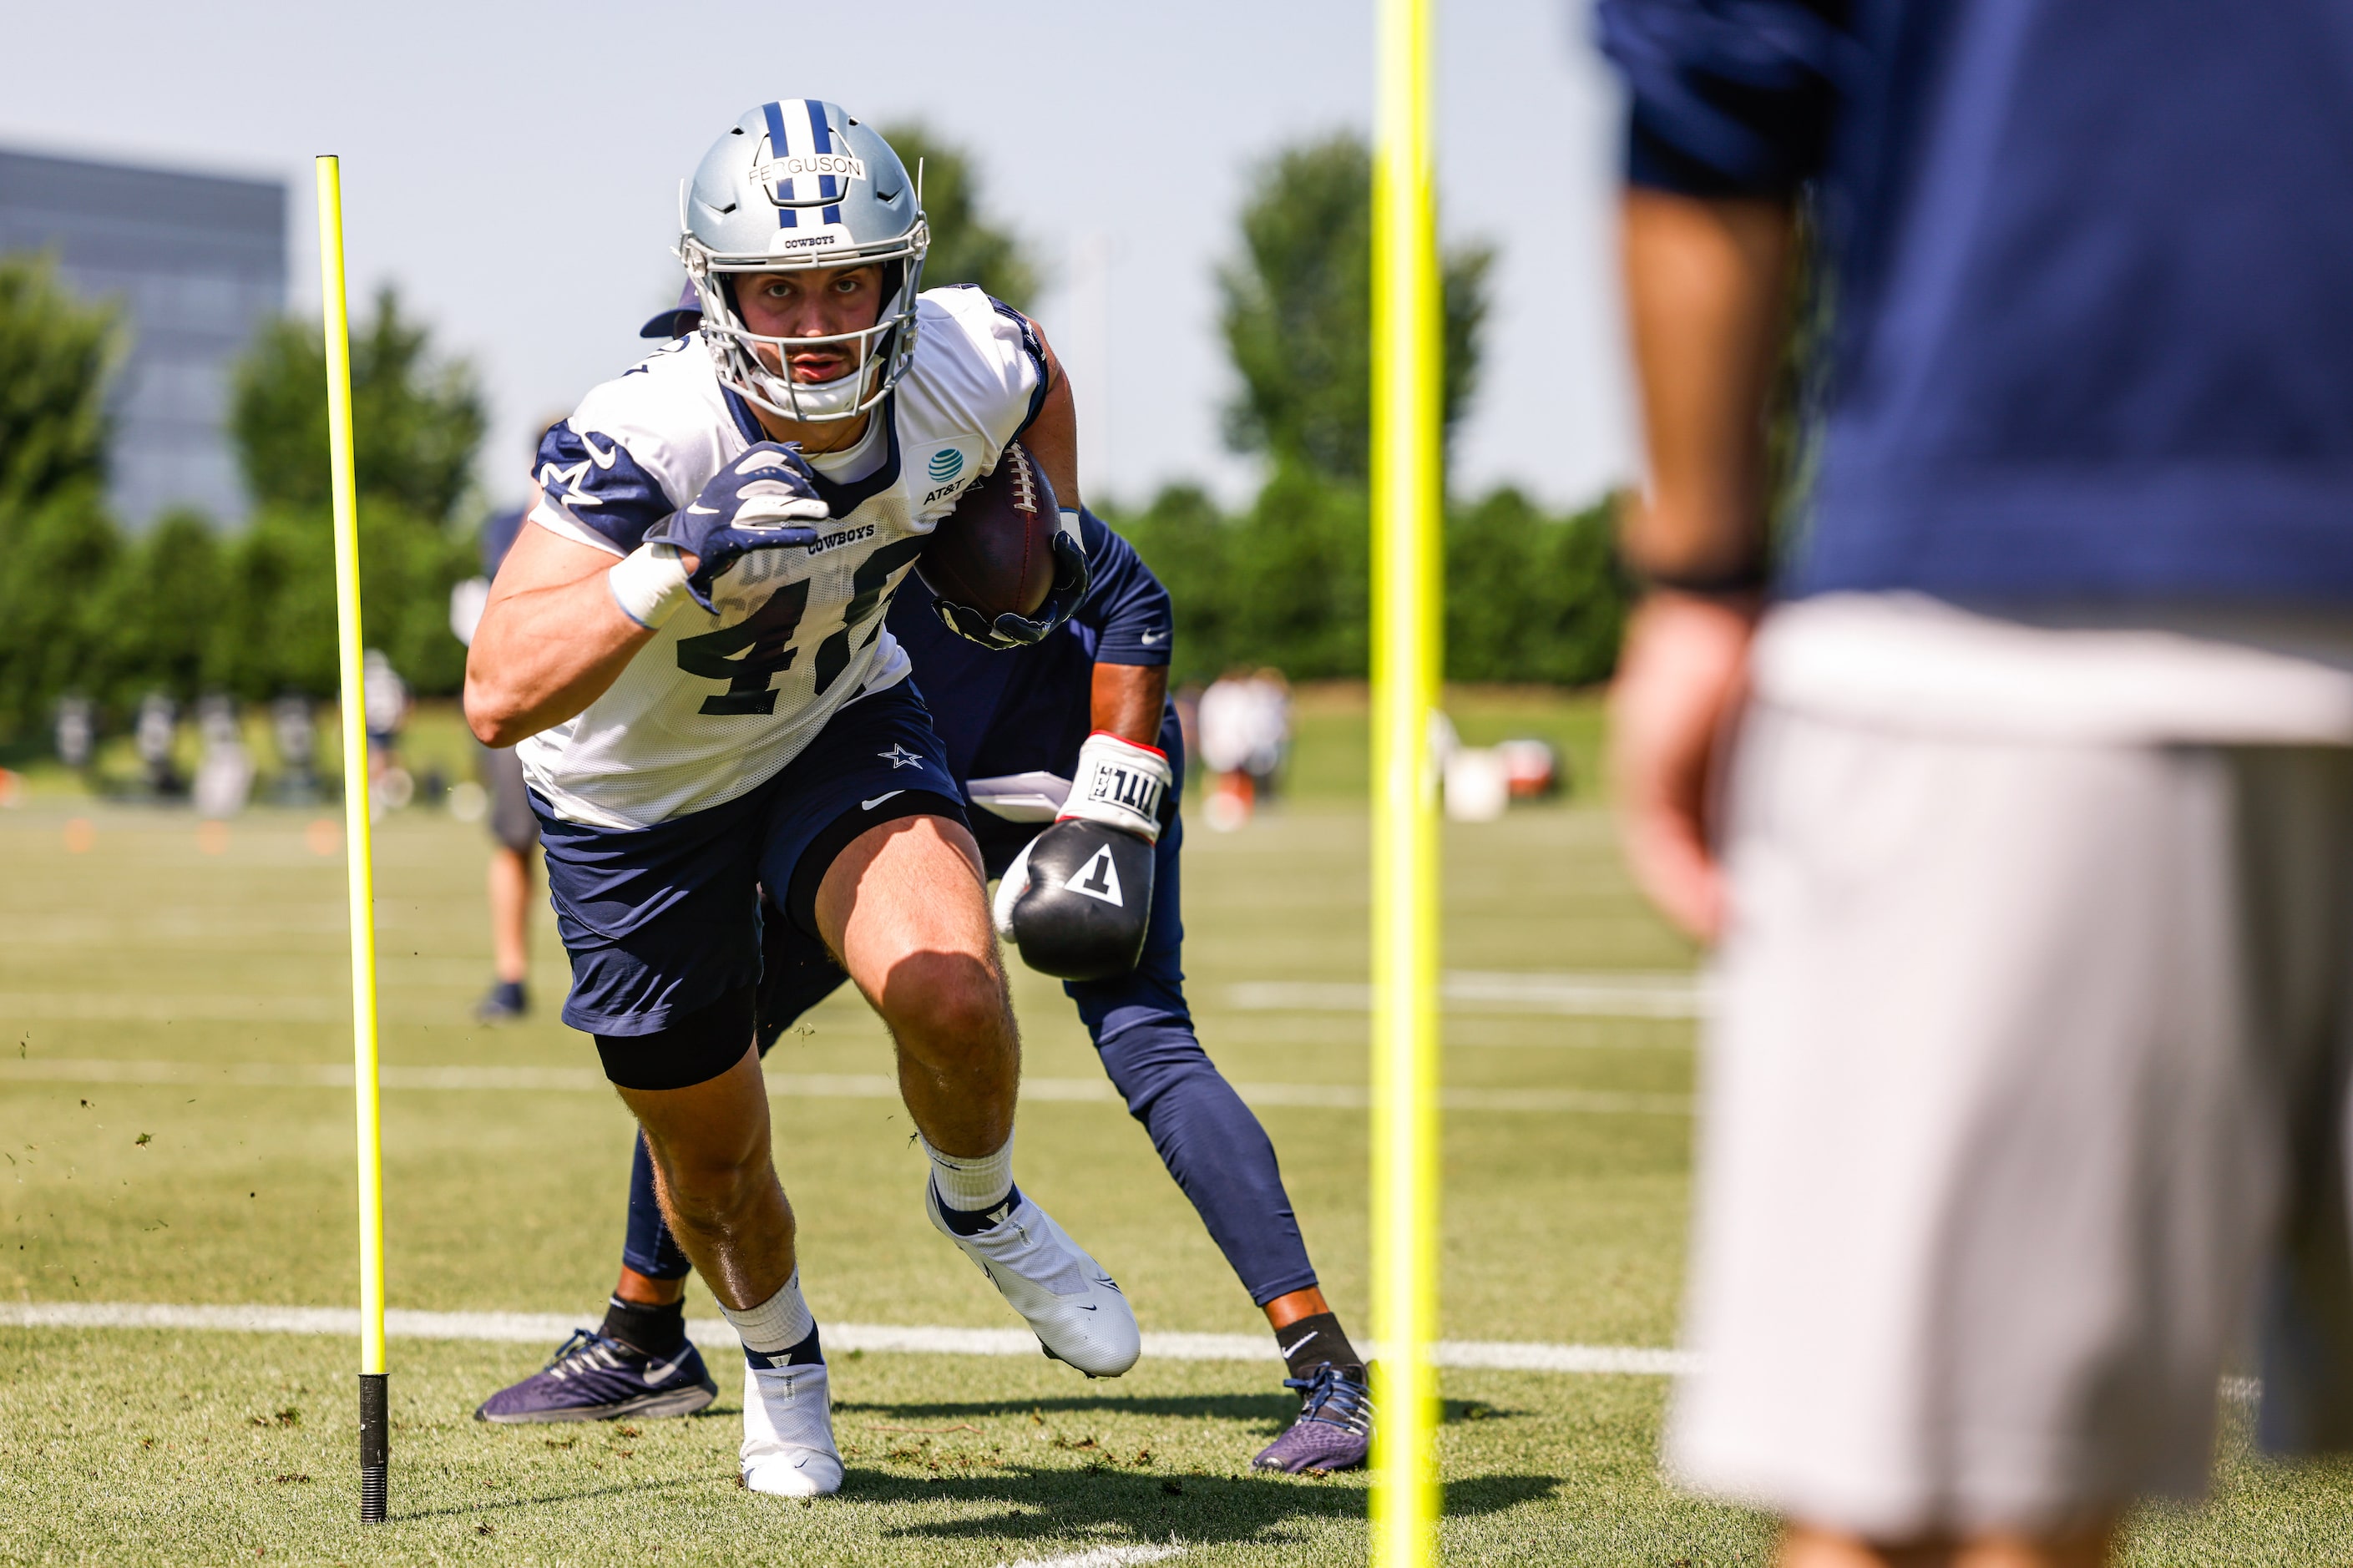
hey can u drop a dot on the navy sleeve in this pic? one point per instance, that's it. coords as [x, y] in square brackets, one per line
[1726, 98]
[1126, 607]
[592, 478]
[1036, 350]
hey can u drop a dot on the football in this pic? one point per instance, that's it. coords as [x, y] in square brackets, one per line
[994, 553]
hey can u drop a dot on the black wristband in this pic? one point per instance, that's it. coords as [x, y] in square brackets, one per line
[1729, 583]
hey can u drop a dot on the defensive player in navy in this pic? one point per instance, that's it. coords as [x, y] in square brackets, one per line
[1089, 702]
[687, 648]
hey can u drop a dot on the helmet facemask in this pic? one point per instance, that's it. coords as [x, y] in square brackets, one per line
[800, 186]
[880, 351]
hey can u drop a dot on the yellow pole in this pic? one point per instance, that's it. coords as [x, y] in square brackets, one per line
[1408, 371]
[375, 1431]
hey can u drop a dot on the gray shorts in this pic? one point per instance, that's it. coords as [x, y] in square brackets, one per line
[2029, 1072]
[512, 823]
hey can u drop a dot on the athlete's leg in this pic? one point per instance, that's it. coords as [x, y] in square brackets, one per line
[1222, 1160]
[717, 1181]
[1211, 1142]
[903, 907]
[795, 974]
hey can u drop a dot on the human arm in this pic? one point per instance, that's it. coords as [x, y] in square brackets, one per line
[1128, 699]
[1730, 111]
[1053, 434]
[565, 618]
[1706, 281]
[551, 639]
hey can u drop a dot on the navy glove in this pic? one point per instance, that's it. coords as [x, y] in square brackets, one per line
[764, 500]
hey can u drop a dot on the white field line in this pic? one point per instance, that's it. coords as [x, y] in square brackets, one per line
[1567, 996]
[549, 1328]
[1570, 993]
[1102, 1557]
[799, 1086]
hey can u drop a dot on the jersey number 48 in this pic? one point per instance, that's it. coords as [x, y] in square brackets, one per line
[749, 653]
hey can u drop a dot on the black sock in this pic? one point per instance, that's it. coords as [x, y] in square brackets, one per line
[972, 1222]
[646, 1329]
[806, 1354]
[1315, 1340]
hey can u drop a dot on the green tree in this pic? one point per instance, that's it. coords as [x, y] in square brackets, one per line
[417, 420]
[159, 605]
[1298, 312]
[1530, 596]
[966, 248]
[57, 542]
[417, 423]
[54, 355]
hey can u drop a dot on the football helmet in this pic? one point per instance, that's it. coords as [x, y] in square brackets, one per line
[798, 184]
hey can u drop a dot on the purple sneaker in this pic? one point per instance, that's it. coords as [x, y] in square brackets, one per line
[1334, 1429]
[593, 1378]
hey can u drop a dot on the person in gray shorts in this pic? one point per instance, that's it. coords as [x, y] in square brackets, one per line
[514, 831]
[2019, 799]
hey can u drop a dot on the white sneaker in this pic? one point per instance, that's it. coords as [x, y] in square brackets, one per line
[788, 1432]
[1073, 1305]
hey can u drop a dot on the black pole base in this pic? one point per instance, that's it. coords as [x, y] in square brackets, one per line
[376, 1447]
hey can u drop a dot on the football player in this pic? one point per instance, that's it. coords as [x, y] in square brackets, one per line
[687, 645]
[1090, 703]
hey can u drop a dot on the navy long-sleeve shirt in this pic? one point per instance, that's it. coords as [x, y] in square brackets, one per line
[2093, 275]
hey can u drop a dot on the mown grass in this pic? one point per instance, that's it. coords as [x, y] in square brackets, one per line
[150, 943]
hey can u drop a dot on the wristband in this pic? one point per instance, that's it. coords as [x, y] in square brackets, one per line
[1069, 521]
[649, 584]
[1120, 784]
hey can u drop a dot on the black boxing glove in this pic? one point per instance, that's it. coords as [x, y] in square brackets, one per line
[1077, 900]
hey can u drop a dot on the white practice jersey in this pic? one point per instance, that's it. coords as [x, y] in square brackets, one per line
[717, 704]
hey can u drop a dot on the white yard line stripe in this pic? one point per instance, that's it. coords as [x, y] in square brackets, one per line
[1101, 1557]
[802, 1086]
[548, 1328]
[1567, 996]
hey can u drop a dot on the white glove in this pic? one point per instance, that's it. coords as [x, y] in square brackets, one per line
[1120, 784]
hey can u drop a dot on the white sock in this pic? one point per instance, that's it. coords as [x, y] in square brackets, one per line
[776, 1324]
[972, 1184]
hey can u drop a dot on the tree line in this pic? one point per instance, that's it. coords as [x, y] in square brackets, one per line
[187, 608]
[1531, 596]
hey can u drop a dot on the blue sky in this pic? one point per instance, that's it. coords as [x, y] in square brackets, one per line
[514, 168]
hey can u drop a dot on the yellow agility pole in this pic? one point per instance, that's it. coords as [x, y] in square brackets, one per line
[1408, 371]
[376, 1432]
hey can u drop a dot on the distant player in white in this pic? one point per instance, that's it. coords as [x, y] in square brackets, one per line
[719, 709]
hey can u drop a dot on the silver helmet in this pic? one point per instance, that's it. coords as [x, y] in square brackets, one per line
[799, 184]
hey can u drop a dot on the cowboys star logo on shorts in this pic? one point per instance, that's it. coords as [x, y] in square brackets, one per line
[898, 756]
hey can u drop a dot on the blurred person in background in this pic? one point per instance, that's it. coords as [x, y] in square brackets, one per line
[1245, 723]
[514, 831]
[2031, 865]
[384, 703]
[1269, 731]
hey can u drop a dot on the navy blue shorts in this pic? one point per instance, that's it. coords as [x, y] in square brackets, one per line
[663, 921]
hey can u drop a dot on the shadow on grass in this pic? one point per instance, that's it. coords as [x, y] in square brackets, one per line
[1272, 1411]
[1107, 1507]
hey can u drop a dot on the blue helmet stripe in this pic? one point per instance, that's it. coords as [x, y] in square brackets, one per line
[821, 141]
[778, 145]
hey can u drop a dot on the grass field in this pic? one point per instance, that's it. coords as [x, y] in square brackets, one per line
[133, 940]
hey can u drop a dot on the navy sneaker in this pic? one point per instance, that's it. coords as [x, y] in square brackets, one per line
[593, 1378]
[1334, 1428]
[505, 1003]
